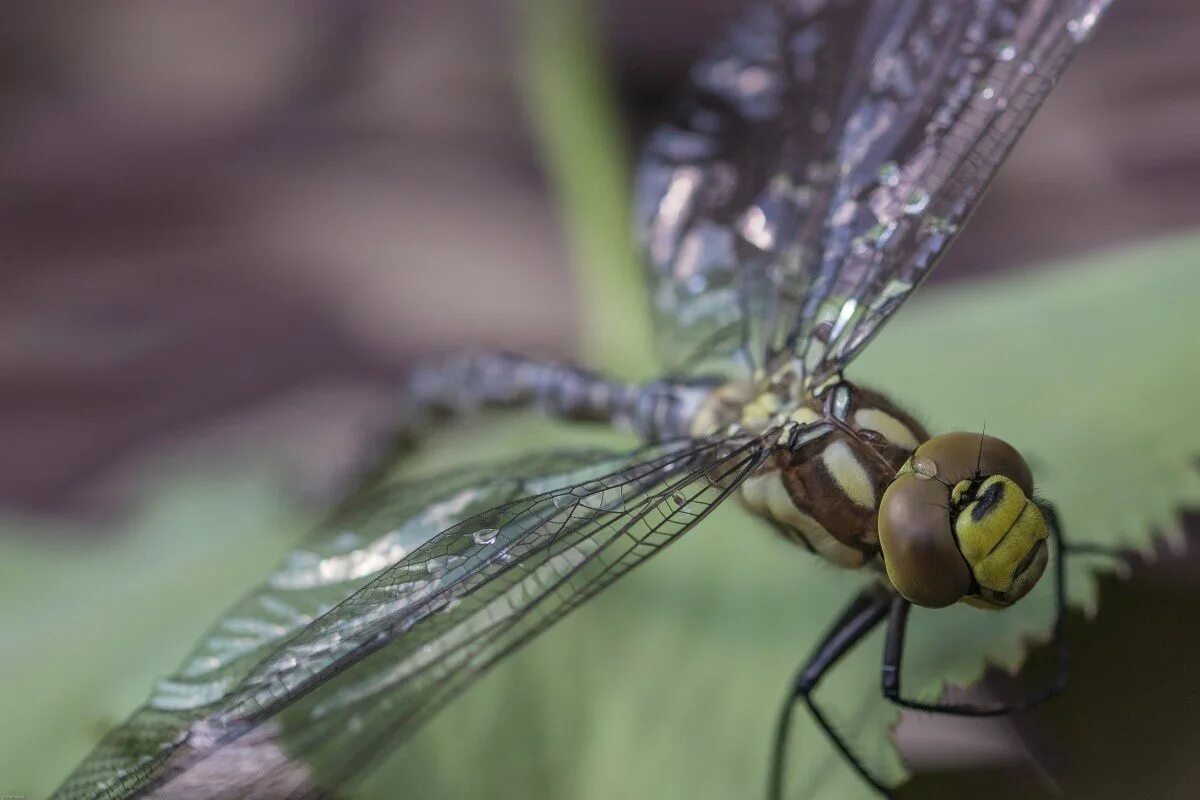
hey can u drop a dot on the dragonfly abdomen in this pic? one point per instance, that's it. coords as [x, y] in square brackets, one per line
[654, 411]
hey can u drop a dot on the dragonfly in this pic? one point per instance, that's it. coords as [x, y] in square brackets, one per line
[823, 157]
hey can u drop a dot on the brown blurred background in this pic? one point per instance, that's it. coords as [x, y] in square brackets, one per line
[226, 225]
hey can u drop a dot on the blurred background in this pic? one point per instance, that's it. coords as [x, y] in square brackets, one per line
[226, 228]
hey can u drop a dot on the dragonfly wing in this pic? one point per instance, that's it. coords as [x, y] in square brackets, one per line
[597, 538]
[398, 604]
[380, 527]
[731, 192]
[953, 85]
[826, 157]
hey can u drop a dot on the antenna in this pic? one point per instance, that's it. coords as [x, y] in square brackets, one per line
[979, 458]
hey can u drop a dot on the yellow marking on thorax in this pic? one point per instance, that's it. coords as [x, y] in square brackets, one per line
[767, 496]
[847, 472]
[892, 429]
[805, 415]
[760, 410]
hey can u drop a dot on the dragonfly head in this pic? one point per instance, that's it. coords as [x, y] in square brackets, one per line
[958, 523]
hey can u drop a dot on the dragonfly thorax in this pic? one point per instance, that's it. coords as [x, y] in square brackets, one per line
[823, 490]
[858, 481]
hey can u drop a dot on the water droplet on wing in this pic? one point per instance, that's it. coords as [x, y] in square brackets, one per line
[889, 174]
[1004, 50]
[916, 202]
[1082, 26]
[485, 536]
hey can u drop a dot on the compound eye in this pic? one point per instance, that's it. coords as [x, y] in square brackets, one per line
[919, 550]
[967, 456]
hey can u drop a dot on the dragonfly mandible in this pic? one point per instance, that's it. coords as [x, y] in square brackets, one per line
[824, 157]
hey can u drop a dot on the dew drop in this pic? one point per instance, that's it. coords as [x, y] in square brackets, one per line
[485, 536]
[1004, 50]
[916, 202]
[939, 226]
[883, 232]
[889, 174]
[925, 468]
[1081, 27]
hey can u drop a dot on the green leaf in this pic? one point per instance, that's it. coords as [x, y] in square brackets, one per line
[90, 621]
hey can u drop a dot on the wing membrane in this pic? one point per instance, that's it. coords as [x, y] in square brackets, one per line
[826, 157]
[399, 604]
[411, 680]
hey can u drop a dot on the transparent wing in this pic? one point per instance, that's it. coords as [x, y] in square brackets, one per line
[398, 604]
[602, 535]
[827, 155]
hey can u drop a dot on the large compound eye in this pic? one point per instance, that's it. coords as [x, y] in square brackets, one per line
[962, 456]
[919, 550]
[958, 523]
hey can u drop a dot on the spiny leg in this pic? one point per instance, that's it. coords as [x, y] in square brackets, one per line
[893, 649]
[859, 618]
[1079, 548]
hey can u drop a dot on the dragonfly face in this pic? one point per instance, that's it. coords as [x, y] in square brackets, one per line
[958, 524]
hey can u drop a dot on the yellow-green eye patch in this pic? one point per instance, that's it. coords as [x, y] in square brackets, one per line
[1001, 534]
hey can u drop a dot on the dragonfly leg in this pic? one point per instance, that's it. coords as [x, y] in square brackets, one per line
[1079, 548]
[893, 649]
[861, 617]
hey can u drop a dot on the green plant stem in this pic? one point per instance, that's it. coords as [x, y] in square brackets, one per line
[573, 110]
